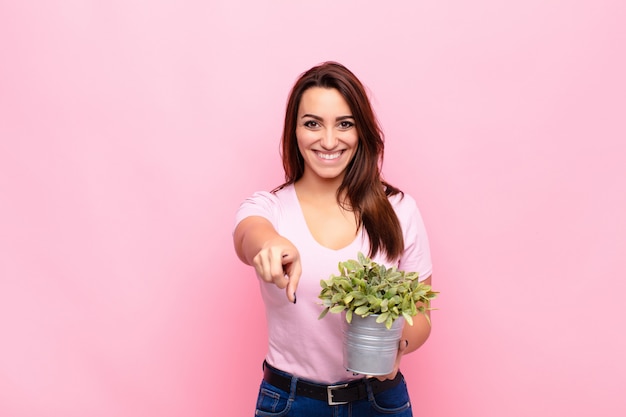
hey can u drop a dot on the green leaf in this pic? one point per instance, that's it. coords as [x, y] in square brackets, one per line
[361, 310]
[360, 302]
[372, 299]
[345, 284]
[408, 318]
[362, 258]
[337, 309]
[337, 297]
[357, 295]
[382, 317]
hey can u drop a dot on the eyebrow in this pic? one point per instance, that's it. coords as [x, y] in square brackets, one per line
[340, 118]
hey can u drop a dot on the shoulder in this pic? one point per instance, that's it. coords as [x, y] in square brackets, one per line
[408, 213]
[261, 198]
[403, 204]
[274, 197]
[265, 204]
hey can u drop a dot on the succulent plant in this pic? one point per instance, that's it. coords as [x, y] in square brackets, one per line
[364, 287]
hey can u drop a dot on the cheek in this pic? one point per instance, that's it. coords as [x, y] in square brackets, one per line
[355, 147]
[353, 140]
[305, 137]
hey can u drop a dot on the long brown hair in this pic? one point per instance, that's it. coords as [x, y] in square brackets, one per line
[366, 192]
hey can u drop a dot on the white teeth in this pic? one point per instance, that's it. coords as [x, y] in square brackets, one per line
[329, 156]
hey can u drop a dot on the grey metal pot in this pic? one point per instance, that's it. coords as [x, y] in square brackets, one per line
[370, 348]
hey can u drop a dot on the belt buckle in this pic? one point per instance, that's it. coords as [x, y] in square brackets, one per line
[329, 392]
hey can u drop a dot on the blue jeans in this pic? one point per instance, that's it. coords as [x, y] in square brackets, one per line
[274, 402]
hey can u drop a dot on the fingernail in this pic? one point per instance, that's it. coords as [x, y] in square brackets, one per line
[294, 298]
[406, 343]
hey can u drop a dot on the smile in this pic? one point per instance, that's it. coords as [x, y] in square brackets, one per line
[329, 156]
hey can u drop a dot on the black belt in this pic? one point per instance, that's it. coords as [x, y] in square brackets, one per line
[332, 394]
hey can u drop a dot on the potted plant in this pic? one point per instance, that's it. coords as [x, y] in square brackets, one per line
[376, 301]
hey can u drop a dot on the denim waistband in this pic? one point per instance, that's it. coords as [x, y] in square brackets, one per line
[335, 394]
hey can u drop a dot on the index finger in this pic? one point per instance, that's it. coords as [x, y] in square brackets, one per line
[294, 272]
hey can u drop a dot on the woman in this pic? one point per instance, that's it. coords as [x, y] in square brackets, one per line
[332, 205]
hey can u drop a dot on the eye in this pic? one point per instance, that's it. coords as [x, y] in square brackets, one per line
[346, 124]
[311, 124]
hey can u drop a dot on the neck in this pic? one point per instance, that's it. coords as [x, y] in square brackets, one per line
[318, 188]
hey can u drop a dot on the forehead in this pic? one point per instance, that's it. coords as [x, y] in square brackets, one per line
[318, 100]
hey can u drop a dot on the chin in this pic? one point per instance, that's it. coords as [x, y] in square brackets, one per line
[331, 176]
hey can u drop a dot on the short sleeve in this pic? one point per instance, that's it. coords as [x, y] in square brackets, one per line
[261, 203]
[416, 255]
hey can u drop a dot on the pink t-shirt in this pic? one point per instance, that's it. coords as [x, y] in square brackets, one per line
[299, 343]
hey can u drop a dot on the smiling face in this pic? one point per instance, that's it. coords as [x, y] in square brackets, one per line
[326, 134]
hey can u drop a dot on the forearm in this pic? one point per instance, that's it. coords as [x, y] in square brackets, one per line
[418, 333]
[250, 236]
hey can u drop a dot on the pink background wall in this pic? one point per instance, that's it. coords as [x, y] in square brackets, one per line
[131, 130]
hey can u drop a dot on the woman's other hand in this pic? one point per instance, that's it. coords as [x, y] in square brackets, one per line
[402, 347]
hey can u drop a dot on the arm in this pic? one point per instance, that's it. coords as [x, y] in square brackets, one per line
[275, 259]
[412, 337]
[417, 334]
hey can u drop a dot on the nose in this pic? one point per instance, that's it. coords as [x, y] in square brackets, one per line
[329, 140]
